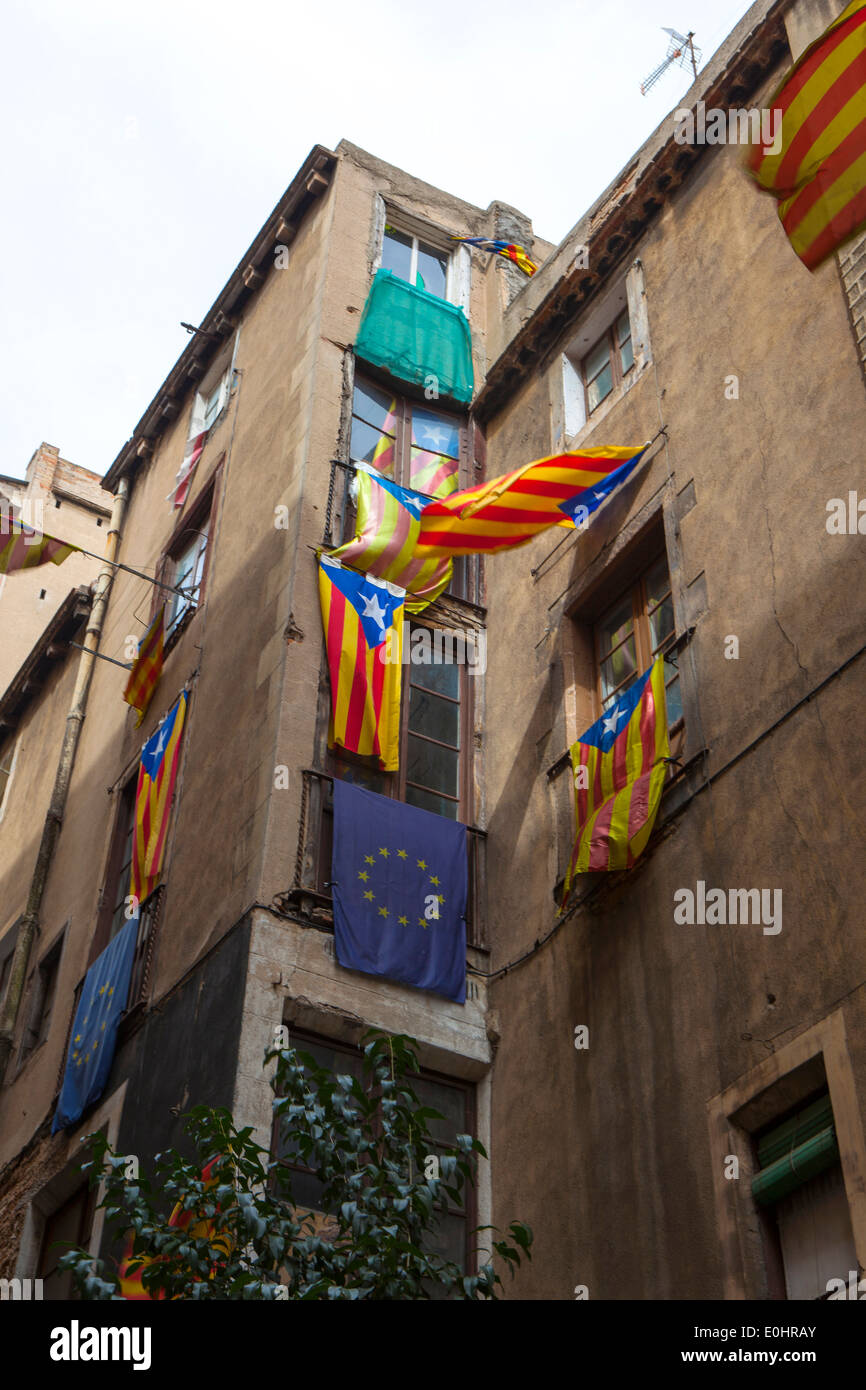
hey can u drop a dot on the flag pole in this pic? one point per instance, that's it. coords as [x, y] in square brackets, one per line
[167, 588]
[122, 664]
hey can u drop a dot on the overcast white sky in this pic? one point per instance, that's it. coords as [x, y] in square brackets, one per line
[147, 142]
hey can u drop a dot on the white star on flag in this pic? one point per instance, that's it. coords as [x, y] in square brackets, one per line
[436, 435]
[373, 609]
[612, 720]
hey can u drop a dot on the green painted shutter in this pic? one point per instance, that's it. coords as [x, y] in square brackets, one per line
[795, 1151]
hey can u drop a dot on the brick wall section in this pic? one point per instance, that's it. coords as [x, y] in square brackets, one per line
[852, 265]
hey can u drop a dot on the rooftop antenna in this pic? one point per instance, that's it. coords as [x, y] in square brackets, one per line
[681, 50]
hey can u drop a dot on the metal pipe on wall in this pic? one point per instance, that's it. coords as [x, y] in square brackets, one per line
[29, 923]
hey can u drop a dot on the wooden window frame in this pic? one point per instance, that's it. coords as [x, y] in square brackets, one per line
[8, 771]
[644, 654]
[618, 376]
[301, 1038]
[83, 1234]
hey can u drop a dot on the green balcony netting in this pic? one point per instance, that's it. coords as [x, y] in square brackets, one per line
[415, 335]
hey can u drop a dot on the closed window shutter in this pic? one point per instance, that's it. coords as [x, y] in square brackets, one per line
[793, 1152]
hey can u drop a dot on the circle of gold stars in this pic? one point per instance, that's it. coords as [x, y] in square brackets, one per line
[366, 873]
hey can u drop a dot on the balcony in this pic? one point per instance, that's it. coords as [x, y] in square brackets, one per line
[309, 897]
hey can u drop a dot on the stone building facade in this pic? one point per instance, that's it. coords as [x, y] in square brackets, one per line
[613, 1060]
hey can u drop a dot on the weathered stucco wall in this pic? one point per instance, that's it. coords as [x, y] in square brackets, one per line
[606, 1151]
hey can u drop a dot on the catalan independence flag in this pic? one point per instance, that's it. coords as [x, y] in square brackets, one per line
[183, 480]
[619, 771]
[147, 668]
[131, 1283]
[22, 548]
[509, 249]
[819, 173]
[363, 623]
[157, 773]
[512, 509]
[386, 534]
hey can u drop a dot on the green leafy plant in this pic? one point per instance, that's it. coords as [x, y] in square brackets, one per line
[236, 1232]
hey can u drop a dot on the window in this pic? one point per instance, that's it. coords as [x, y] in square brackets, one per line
[43, 990]
[455, 1102]
[800, 1187]
[210, 401]
[120, 863]
[7, 759]
[433, 739]
[606, 364]
[187, 572]
[68, 1226]
[415, 260]
[434, 743]
[412, 444]
[185, 564]
[629, 637]
[7, 952]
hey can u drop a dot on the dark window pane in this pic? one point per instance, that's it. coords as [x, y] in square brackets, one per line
[626, 355]
[662, 623]
[673, 697]
[432, 274]
[443, 677]
[370, 777]
[615, 626]
[397, 252]
[596, 360]
[371, 446]
[658, 583]
[437, 718]
[600, 387]
[451, 1104]
[375, 407]
[431, 766]
[426, 801]
[618, 667]
[436, 432]
[448, 1239]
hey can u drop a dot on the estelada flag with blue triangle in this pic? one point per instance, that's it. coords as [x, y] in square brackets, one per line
[386, 533]
[94, 1028]
[157, 773]
[619, 768]
[363, 622]
[512, 509]
[400, 881]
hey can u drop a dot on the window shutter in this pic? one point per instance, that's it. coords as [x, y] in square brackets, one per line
[225, 392]
[795, 1151]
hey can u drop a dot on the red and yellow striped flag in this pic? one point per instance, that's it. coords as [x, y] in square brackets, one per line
[157, 773]
[22, 548]
[147, 668]
[512, 509]
[363, 622]
[131, 1283]
[386, 534]
[819, 172]
[619, 773]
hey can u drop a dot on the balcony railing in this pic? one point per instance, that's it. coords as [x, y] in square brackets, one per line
[310, 894]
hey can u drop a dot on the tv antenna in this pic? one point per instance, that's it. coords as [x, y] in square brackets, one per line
[681, 50]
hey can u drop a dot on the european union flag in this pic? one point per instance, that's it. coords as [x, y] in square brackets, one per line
[400, 882]
[94, 1030]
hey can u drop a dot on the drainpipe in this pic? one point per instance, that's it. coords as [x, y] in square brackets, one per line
[29, 924]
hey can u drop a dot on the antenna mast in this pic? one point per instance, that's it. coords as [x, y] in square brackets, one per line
[681, 49]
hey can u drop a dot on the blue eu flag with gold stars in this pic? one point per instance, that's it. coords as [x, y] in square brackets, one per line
[399, 882]
[94, 1028]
